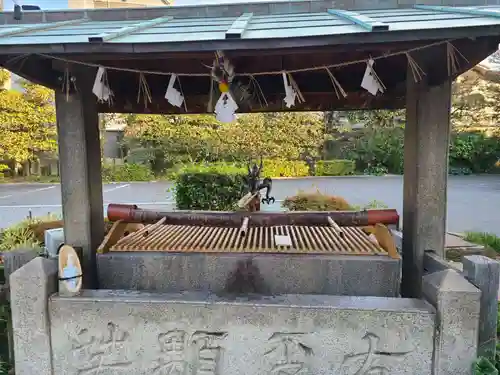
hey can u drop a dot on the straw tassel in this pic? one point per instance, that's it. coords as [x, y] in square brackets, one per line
[415, 68]
[452, 60]
[336, 85]
[144, 91]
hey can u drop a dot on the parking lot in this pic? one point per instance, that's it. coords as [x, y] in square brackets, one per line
[473, 201]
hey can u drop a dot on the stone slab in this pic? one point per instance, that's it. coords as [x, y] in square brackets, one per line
[121, 332]
[257, 273]
[455, 242]
[15, 259]
[452, 242]
[458, 306]
[30, 287]
[484, 273]
[434, 263]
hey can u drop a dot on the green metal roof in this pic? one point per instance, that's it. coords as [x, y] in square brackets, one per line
[75, 35]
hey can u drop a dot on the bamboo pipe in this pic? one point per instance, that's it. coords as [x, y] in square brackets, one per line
[131, 213]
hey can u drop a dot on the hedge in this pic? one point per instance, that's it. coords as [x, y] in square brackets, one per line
[275, 168]
[216, 187]
[379, 151]
[338, 167]
[315, 202]
[284, 168]
[126, 172]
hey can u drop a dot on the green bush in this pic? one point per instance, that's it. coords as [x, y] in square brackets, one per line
[216, 167]
[126, 173]
[338, 167]
[3, 168]
[271, 168]
[482, 238]
[474, 151]
[378, 151]
[213, 187]
[372, 205]
[497, 356]
[284, 168]
[315, 202]
[22, 235]
[498, 326]
[483, 366]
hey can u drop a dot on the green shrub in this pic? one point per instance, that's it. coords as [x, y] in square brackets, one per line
[483, 366]
[126, 173]
[498, 326]
[378, 151]
[5, 316]
[374, 204]
[497, 356]
[216, 167]
[315, 202]
[210, 187]
[22, 234]
[486, 239]
[284, 168]
[3, 168]
[338, 167]
[475, 151]
[381, 150]
[271, 168]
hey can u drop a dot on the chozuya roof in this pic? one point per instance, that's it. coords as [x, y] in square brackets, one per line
[236, 26]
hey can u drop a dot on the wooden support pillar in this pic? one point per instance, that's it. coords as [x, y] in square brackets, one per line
[80, 170]
[426, 145]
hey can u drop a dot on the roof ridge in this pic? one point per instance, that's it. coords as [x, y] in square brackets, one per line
[182, 11]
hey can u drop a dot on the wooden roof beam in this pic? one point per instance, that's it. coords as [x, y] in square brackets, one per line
[40, 27]
[460, 10]
[239, 26]
[124, 31]
[366, 23]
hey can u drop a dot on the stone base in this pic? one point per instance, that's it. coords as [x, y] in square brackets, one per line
[267, 274]
[115, 332]
[194, 333]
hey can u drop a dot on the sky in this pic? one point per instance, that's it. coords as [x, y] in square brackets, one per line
[63, 4]
[44, 4]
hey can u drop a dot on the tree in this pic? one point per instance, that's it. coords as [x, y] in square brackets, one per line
[475, 102]
[27, 123]
[177, 139]
[380, 118]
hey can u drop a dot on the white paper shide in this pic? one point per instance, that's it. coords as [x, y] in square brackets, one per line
[290, 93]
[173, 95]
[101, 88]
[371, 81]
[225, 108]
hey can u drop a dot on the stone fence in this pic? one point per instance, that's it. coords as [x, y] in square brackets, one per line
[195, 332]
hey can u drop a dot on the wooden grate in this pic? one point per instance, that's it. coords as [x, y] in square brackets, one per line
[304, 239]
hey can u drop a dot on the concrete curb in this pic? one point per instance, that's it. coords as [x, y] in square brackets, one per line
[331, 177]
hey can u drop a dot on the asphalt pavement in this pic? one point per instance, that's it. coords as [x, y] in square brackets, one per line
[473, 201]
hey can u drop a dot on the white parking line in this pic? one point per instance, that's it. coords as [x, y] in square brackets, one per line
[27, 192]
[106, 204]
[116, 188]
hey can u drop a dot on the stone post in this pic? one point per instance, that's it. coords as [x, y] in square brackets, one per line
[425, 177]
[30, 288]
[80, 169]
[484, 273]
[15, 259]
[457, 303]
